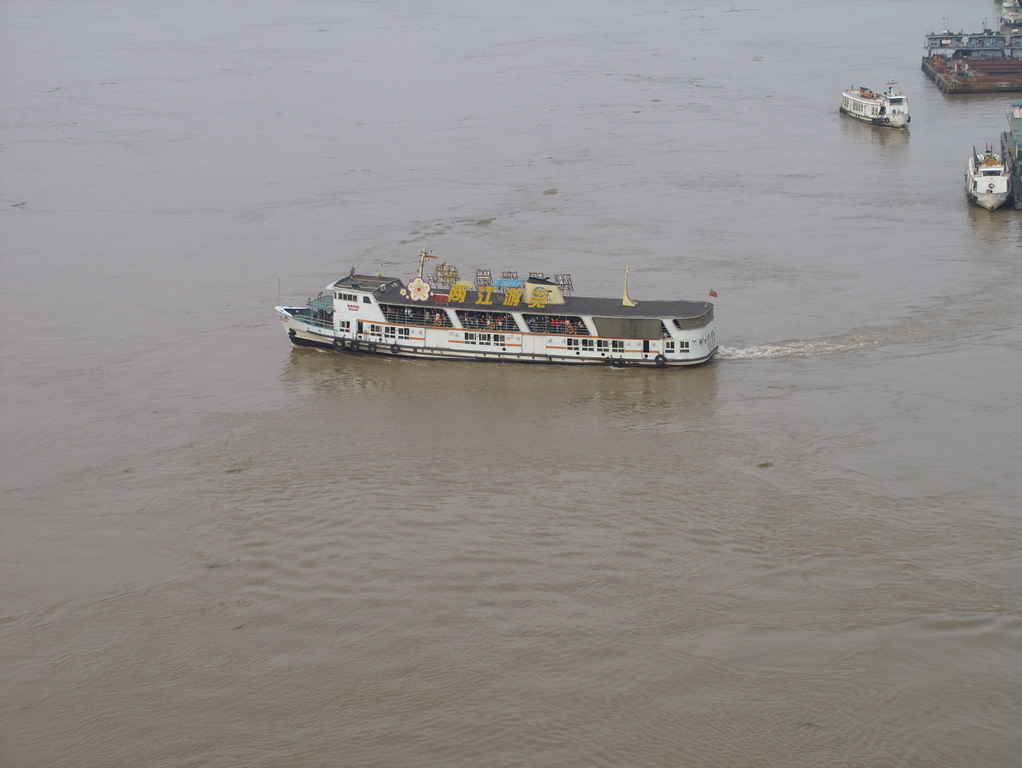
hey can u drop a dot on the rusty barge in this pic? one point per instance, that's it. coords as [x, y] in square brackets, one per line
[983, 62]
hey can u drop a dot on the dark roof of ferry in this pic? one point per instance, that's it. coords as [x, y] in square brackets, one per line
[388, 291]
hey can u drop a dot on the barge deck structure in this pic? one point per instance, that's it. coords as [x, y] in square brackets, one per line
[983, 62]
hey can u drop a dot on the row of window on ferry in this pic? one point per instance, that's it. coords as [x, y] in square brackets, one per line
[491, 321]
[390, 333]
[856, 106]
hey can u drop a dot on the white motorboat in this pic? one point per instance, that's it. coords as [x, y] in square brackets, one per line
[987, 179]
[888, 108]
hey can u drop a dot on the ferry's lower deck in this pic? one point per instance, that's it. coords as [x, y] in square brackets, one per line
[565, 342]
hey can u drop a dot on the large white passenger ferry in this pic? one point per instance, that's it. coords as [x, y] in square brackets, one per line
[534, 319]
[889, 108]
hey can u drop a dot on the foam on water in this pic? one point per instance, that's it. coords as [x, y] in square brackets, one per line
[796, 348]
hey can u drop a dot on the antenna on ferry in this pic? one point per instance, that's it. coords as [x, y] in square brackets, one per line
[626, 300]
[423, 255]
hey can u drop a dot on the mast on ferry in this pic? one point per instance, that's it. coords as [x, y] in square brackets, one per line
[626, 300]
[423, 255]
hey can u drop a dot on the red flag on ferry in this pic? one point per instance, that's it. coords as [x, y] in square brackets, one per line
[713, 293]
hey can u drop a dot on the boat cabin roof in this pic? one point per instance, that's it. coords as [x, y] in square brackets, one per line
[388, 291]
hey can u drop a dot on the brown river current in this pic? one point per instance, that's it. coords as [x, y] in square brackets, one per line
[219, 551]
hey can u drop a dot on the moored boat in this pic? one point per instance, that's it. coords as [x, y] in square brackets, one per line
[987, 179]
[1011, 13]
[507, 319]
[888, 108]
[1011, 150]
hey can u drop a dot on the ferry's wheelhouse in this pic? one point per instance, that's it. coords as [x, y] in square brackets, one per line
[531, 320]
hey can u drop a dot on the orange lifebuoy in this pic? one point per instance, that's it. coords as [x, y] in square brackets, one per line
[571, 329]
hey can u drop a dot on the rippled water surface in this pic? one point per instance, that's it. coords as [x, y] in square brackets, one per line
[220, 551]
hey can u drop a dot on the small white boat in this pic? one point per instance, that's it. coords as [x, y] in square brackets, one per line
[1011, 13]
[888, 109]
[987, 179]
[532, 320]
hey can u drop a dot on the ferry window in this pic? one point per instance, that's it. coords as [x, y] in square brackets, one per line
[366, 300]
[404, 333]
[573, 344]
[491, 321]
[602, 345]
[588, 345]
[417, 316]
[484, 339]
[566, 324]
[617, 345]
[347, 297]
[683, 346]
[669, 347]
[345, 325]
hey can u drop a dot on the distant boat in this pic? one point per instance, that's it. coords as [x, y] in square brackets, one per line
[987, 179]
[888, 109]
[1011, 13]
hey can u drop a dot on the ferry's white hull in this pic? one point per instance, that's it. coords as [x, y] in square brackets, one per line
[449, 344]
[887, 121]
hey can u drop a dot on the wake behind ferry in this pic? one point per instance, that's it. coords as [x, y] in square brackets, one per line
[534, 319]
